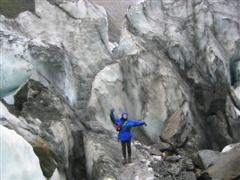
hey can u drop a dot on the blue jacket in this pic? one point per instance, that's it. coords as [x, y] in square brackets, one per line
[125, 132]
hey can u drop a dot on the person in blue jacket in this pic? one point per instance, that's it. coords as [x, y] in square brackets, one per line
[124, 126]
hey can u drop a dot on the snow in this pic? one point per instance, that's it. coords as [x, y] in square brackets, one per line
[237, 111]
[17, 123]
[5, 114]
[158, 158]
[237, 92]
[18, 160]
[9, 98]
[57, 176]
[230, 147]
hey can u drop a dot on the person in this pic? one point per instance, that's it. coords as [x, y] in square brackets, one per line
[124, 126]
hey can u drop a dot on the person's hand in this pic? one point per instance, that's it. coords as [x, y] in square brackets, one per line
[145, 124]
[112, 110]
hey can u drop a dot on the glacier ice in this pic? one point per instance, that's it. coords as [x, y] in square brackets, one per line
[17, 158]
[13, 72]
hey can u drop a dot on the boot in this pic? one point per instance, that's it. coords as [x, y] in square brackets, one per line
[129, 160]
[124, 161]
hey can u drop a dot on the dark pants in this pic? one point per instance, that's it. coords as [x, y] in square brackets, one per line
[126, 144]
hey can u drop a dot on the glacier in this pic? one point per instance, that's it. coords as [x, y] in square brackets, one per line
[17, 158]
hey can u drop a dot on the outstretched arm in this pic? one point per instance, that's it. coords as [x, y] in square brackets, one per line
[112, 116]
[134, 123]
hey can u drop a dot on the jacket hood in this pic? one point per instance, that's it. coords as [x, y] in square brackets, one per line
[123, 113]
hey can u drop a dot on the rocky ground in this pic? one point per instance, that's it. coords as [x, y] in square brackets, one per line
[174, 64]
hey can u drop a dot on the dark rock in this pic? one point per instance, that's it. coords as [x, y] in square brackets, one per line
[174, 158]
[169, 177]
[55, 133]
[205, 158]
[102, 169]
[204, 176]
[175, 168]
[154, 151]
[226, 167]
[186, 175]
[11, 8]
[101, 165]
[162, 146]
[235, 99]
[157, 149]
[232, 105]
[165, 168]
[188, 164]
[219, 130]
[176, 129]
[46, 157]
